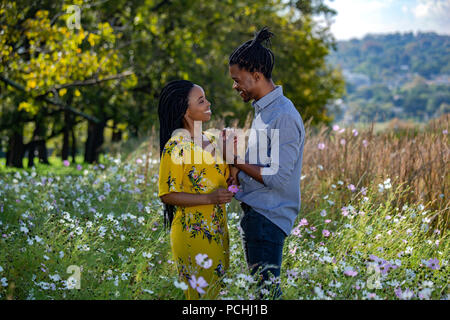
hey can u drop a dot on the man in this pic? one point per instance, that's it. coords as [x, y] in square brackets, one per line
[270, 186]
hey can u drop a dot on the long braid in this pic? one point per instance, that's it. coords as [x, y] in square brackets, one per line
[173, 103]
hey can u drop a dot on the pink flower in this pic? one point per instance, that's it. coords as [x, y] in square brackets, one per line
[79, 167]
[445, 131]
[344, 211]
[350, 273]
[296, 232]
[321, 146]
[66, 163]
[233, 188]
[355, 132]
[352, 188]
[325, 233]
[363, 191]
[293, 250]
[335, 127]
[195, 176]
[198, 284]
[303, 222]
[327, 221]
[365, 143]
[343, 142]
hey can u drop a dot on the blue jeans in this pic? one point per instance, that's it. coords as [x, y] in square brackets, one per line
[263, 244]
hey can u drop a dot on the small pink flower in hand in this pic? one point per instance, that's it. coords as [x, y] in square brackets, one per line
[233, 188]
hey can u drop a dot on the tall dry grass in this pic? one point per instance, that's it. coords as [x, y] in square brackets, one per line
[415, 158]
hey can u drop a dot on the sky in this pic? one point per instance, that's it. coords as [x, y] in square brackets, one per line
[356, 18]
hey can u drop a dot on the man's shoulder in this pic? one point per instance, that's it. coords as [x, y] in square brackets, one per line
[285, 111]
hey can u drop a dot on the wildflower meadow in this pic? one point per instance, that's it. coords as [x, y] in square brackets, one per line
[373, 223]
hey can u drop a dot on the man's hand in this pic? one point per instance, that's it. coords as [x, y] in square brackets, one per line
[233, 179]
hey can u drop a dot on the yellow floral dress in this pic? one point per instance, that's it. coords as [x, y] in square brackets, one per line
[199, 235]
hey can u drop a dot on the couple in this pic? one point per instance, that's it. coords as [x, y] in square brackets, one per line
[194, 193]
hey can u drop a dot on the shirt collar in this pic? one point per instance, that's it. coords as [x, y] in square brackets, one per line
[267, 99]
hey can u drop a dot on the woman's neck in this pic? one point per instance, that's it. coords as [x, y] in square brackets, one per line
[194, 128]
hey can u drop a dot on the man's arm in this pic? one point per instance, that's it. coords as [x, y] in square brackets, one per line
[252, 170]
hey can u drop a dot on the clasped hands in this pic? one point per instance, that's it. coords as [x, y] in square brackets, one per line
[229, 152]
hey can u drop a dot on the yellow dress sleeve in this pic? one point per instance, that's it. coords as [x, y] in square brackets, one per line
[171, 168]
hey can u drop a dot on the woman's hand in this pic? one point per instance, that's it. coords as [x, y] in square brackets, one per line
[221, 196]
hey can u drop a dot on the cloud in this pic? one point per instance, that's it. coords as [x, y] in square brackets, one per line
[357, 18]
[433, 14]
[432, 9]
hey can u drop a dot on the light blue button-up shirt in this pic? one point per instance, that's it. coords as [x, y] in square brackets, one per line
[276, 143]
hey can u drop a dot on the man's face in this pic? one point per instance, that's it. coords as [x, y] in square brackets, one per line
[245, 83]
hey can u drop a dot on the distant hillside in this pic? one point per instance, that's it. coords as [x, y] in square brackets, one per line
[394, 75]
[390, 56]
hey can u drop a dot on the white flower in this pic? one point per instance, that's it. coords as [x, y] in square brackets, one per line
[147, 255]
[198, 284]
[425, 293]
[55, 277]
[1, 269]
[203, 261]
[131, 250]
[319, 292]
[180, 285]
[24, 229]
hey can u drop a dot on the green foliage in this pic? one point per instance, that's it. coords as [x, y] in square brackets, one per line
[146, 44]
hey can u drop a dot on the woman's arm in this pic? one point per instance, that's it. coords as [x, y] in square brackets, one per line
[184, 199]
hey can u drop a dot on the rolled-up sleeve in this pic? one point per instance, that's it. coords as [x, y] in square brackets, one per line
[285, 146]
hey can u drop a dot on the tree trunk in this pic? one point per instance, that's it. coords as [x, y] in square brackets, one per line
[65, 147]
[42, 151]
[94, 141]
[74, 144]
[117, 134]
[16, 149]
[31, 147]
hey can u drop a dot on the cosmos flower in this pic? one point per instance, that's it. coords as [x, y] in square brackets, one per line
[66, 163]
[350, 273]
[433, 264]
[321, 146]
[233, 188]
[198, 284]
[325, 233]
[181, 285]
[303, 222]
[203, 261]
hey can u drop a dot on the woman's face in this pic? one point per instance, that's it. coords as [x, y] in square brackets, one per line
[198, 108]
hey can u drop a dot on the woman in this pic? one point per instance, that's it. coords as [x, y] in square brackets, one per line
[193, 188]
